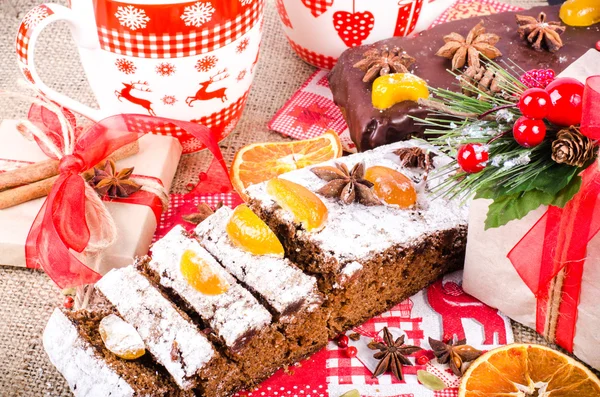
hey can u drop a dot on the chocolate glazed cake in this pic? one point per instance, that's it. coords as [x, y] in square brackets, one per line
[371, 127]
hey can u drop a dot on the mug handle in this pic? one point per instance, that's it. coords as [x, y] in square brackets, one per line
[30, 28]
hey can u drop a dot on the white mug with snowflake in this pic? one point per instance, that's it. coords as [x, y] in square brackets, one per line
[320, 30]
[191, 61]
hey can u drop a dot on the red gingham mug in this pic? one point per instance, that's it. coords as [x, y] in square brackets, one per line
[320, 30]
[191, 60]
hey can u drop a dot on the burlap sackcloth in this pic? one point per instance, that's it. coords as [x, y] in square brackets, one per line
[28, 297]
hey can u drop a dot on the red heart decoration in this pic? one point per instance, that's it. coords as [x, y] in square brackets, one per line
[317, 7]
[353, 27]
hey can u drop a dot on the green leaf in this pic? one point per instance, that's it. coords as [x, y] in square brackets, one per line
[430, 381]
[567, 193]
[515, 206]
[551, 181]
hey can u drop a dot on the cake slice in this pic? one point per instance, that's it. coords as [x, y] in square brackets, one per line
[73, 344]
[369, 258]
[292, 296]
[370, 127]
[169, 335]
[235, 318]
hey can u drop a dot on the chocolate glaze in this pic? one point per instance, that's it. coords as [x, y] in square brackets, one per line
[370, 127]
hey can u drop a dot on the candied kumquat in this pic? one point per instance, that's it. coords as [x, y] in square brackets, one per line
[580, 12]
[200, 275]
[121, 338]
[247, 231]
[391, 186]
[306, 207]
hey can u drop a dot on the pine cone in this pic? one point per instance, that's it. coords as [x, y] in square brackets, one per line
[572, 148]
[480, 78]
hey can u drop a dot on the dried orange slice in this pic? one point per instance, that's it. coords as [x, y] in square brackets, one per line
[527, 370]
[200, 275]
[306, 207]
[249, 232]
[260, 162]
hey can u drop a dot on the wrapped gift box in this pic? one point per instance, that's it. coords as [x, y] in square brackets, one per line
[158, 157]
[491, 277]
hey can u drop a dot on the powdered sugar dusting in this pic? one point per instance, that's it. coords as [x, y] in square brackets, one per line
[232, 314]
[355, 232]
[173, 341]
[277, 280]
[86, 373]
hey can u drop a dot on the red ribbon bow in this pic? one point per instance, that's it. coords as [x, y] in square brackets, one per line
[60, 229]
[557, 243]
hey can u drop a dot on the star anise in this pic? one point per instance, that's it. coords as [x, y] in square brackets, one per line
[454, 353]
[107, 181]
[539, 32]
[203, 212]
[392, 355]
[415, 157]
[385, 61]
[346, 185]
[466, 51]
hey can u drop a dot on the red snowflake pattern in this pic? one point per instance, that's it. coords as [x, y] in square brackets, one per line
[241, 75]
[207, 63]
[242, 45]
[169, 100]
[165, 69]
[125, 66]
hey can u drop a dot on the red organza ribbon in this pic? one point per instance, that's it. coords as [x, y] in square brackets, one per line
[60, 228]
[560, 238]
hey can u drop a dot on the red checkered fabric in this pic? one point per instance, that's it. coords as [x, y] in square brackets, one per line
[31, 20]
[344, 370]
[468, 8]
[159, 46]
[318, 60]
[222, 123]
[182, 204]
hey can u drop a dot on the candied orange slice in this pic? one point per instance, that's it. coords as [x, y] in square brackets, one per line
[121, 338]
[260, 162]
[394, 88]
[391, 186]
[580, 12]
[306, 207]
[247, 231]
[527, 370]
[200, 275]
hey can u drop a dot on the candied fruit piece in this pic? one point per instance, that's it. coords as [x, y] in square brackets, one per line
[247, 231]
[121, 338]
[391, 89]
[200, 275]
[580, 12]
[392, 186]
[306, 207]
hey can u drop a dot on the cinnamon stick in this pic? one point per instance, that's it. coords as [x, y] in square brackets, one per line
[46, 169]
[41, 188]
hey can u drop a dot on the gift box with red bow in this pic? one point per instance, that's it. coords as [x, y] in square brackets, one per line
[136, 222]
[544, 270]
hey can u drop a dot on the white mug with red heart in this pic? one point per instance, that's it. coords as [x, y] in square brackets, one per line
[190, 60]
[320, 30]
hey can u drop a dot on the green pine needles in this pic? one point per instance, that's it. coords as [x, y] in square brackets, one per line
[517, 179]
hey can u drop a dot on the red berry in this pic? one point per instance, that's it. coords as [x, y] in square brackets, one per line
[342, 341]
[422, 360]
[565, 101]
[598, 45]
[68, 303]
[351, 351]
[472, 157]
[534, 103]
[537, 78]
[529, 132]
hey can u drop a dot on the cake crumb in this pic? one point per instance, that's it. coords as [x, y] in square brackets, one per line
[354, 336]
